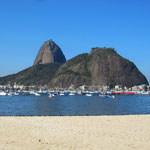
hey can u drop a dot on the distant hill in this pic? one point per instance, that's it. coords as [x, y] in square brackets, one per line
[102, 66]
[35, 75]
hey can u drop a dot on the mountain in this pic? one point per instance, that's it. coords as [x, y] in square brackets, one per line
[49, 52]
[102, 66]
[35, 75]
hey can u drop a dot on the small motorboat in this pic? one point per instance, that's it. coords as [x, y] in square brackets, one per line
[10, 94]
[88, 94]
[61, 94]
[37, 94]
[113, 96]
[71, 94]
[15, 93]
[51, 95]
[3, 93]
[110, 96]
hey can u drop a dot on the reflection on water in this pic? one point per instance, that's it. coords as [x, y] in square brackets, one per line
[73, 105]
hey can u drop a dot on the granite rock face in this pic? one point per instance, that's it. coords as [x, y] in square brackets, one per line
[101, 67]
[49, 53]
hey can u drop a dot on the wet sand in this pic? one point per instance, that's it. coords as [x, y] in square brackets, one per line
[75, 133]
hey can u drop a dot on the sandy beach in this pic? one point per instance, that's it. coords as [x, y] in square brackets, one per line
[75, 133]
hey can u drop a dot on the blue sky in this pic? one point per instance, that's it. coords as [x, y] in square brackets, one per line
[76, 26]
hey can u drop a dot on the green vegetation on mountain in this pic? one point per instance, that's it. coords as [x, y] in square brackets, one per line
[76, 61]
[35, 75]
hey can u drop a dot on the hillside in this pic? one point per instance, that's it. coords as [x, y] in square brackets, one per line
[102, 66]
[35, 75]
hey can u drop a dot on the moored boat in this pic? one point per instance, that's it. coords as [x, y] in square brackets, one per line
[3, 93]
[61, 94]
[110, 96]
[51, 95]
[37, 94]
[71, 94]
[10, 94]
[88, 94]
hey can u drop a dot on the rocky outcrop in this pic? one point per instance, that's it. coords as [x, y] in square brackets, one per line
[49, 53]
[102, 66]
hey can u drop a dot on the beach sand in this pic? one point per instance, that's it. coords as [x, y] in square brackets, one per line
[75, 133]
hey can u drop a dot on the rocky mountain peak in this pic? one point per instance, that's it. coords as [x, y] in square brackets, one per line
[49, 52]
[102, 50]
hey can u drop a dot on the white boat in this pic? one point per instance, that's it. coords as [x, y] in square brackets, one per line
[31, 92]
[3, 93]
[71, 94]
[88, 94]
[51, 95]
[16, 93]
[10, 94]
[37, 94]
[61, 94]
[113, 96]
[145, 93]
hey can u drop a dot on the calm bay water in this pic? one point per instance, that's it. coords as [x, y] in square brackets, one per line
[73, 105]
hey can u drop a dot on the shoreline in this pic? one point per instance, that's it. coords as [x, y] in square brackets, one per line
[56, 116]
[125, 132]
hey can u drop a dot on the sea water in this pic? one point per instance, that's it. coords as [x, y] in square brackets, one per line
[73, 105]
